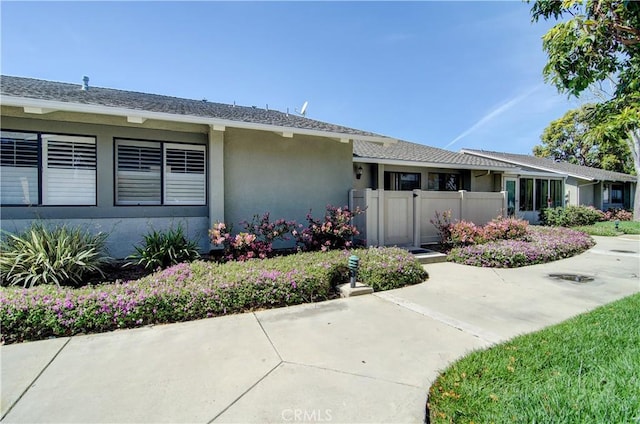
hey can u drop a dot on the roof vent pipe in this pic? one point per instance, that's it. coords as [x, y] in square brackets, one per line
[85, 83]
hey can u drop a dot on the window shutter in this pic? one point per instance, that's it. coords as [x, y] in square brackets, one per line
[19, 168]
[138, 172]
[69, 170]
[185, 177]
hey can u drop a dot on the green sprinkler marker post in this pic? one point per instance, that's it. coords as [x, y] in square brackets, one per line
[354, 263]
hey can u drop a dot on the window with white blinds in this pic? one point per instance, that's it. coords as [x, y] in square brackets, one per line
[19, 168]
[155, 173]
[138, 177]
[184, 180]
[47, 169]
[69, 170]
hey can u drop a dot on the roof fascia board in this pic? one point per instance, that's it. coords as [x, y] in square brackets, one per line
[528, 165]
[431, 164]
[191, 119]
[524, 173]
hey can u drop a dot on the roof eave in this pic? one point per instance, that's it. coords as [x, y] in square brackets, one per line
[400, 162]
[136, 114]
[528, 165]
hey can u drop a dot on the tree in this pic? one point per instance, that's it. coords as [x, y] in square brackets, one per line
[574, 139]
[598, 42]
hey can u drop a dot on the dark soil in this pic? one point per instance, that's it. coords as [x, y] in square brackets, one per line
[117, 272]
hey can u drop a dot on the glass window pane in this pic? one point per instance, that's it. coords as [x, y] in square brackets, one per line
[185, 181]
[69, 170]
[555, 190]
[526, 194]
[19, 168]
[616, 193]
[138, 172]
[542, 193]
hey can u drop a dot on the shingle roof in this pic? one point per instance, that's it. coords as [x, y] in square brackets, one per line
[413, 152]
[72, 93]
[547, 164]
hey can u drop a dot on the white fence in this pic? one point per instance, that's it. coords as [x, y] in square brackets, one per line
[404, 217]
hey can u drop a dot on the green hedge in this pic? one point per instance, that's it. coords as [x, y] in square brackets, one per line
[570, 216]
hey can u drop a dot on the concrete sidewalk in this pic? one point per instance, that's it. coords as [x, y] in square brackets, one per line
[364, 359]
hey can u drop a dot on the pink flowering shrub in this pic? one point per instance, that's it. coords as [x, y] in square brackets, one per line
[334, 231]
[256, 241]
[194, 291]
[618, 214]
[544, 244]
[464, 233]
[505, 229]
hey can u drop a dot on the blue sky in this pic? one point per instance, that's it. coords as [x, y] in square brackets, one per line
[446, 74]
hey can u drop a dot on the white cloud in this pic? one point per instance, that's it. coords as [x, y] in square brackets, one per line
[504, 107]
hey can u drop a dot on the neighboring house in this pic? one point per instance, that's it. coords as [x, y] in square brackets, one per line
[402, 186]
[541, 182]
[409, 166]
[126, 162]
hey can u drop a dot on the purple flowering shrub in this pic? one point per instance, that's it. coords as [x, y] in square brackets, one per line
[334, 231]
[194, 291]
[388, 268]
[256, 241]
[543, 244]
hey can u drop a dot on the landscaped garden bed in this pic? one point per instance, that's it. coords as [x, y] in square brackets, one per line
[584, 370]
[539, 245]
[512, 243]
[197, 290]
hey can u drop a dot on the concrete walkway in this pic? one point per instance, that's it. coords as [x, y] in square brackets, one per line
[364, 359]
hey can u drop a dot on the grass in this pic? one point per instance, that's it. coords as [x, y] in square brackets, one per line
[585, 370]
[608, 228]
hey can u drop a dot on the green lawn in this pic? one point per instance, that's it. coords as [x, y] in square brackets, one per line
[608, 228]
[585, 370]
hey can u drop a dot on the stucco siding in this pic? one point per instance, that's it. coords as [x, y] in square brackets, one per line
[587, 194]
[485, 182]
[265, 172]
[571, 191]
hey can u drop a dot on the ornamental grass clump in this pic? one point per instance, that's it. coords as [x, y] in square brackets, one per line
[60, 255]
[543, 245]
[161, 249]
[196, 290]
